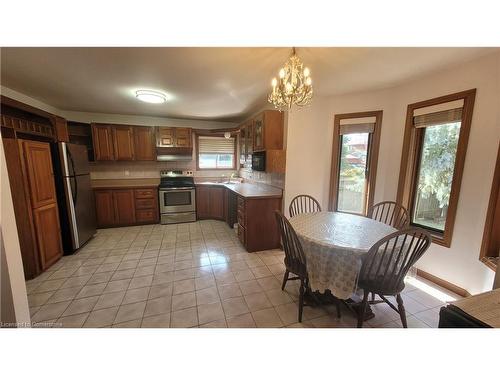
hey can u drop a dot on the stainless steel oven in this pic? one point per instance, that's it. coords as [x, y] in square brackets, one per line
[177, 197]
[177, 200]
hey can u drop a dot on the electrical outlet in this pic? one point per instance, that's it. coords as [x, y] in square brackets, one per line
[127, 173]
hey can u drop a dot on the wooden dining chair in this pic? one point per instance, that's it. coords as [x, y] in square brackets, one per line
[386, 264]
[295, 260]
[303, 204]
[390, 213]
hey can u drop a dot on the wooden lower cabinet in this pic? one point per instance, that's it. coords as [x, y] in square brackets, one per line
[216, 202]
[105, 208]
[122, 207]
[256, 223]
[48, 234]
[257, 227]
[210, 202]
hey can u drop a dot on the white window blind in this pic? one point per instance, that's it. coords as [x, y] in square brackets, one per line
[438, 114]
[215, 145]
[438, 118]
[357, 125]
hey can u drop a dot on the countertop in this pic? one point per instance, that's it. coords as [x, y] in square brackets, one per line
[125, 183]
[244, 189]
[248, 190]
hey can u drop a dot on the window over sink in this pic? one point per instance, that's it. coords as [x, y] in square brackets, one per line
[215, 152]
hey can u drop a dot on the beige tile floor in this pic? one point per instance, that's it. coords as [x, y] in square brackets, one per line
[187, 275]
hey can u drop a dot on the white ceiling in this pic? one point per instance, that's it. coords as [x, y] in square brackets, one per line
[225, 84]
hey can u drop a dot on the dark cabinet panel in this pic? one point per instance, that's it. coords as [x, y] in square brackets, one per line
[40, 173]
[105, 208]
[123, 139]
[183, 137]
[216, 202]
[102, 138]
[42, 193]
[48, 234]
[144, 143]
[124, 206]
[121, 207]
[203, 202]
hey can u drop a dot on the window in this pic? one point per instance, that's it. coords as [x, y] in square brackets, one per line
[490, 248]
[354, 160]
[434, 150]
[215, 152]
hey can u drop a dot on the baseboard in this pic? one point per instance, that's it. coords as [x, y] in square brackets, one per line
[443, 283]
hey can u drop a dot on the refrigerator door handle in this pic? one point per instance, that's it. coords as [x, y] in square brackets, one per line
[73, 175]
[71, 204]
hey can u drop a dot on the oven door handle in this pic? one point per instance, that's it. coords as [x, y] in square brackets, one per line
[179, 188]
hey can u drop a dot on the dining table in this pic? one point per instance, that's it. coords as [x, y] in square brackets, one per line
[334, 244]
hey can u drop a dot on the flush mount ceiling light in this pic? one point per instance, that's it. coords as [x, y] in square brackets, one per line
[294, 85]
[150, 96]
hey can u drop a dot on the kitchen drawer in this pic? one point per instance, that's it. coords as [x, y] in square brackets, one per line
[145, 193]
[241, 234]
[145, 203]
[145, 216]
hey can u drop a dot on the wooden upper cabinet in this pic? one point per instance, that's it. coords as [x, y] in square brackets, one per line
[258, 132]
[275, 161]
[144, 143]
[61, 128]
[123, 139]
[103, 142]
[183, 137]
[174, 137]
[268, 129]
[165, 137]
[40, 173]
[250, 140]
[48, 234]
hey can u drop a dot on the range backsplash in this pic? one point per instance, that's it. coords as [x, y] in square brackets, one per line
[273, 179]
[146, 169]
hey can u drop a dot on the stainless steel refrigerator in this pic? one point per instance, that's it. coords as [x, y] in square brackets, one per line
[75, 195]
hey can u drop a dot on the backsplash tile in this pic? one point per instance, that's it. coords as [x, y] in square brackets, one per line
[147, 169]
[273, 179]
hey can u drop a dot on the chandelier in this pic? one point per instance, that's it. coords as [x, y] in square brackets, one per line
[294, 85]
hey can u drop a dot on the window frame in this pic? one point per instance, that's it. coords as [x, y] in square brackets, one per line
[372, 159]
[492, 218]
[410, 160]
[198, 152]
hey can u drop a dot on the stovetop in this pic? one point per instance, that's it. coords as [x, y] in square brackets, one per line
[176, 179]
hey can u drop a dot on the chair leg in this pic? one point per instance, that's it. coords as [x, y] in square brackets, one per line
[338, 303]
[362, 310]
[402, 312]
[301, 300]
[285, 279]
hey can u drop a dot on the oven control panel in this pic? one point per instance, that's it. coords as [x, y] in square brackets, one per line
[175, 173]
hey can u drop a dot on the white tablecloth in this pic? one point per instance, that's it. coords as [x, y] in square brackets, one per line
[333, 244]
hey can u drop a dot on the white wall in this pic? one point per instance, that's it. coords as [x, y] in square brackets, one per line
[310, 143]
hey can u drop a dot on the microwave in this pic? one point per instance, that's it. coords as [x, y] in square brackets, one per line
[259, 161]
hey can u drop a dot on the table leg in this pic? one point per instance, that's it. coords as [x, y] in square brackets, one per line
[353, 304]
